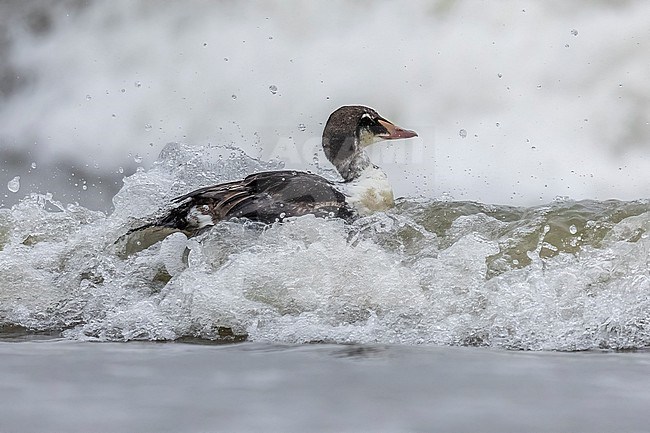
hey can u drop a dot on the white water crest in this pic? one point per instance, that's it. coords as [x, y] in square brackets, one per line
[564, 276]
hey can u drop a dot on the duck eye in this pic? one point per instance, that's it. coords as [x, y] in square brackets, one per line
[367, 121]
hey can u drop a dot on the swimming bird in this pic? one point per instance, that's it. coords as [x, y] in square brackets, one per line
[274, 195]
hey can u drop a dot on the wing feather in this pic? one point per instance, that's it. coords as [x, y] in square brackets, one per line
[264, 197]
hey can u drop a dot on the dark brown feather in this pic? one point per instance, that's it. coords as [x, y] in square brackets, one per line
[265, 197]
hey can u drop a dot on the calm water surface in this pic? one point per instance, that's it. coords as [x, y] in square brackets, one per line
[59, 385]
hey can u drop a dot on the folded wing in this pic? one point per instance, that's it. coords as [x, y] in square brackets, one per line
[265, 197]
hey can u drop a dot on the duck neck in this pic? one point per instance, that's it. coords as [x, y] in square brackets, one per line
[352, 167]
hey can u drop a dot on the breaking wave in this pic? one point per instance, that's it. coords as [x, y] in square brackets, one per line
[563, 276]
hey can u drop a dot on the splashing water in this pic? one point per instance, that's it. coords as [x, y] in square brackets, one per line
[14, 184]
[564, 276]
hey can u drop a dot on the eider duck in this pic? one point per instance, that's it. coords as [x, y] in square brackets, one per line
[271, 196]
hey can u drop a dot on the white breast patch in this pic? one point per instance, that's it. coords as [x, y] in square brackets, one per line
[370, 192]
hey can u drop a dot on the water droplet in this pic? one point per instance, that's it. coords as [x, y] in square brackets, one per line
[14, 184]
[205, 44]
[123, 90]
[499, 75]
[462, 133]
[273, 88]
[515, 262]
[301, 127]
[120, 170]
[137, 84]
[147, 127]
[234, 96]
[225, 59]
[573, 229]
[282, 215]
[137, 158]
[84, 187]
[33, 165]
[574, 32]
[113, 115]
[498, 124]
[88, 97]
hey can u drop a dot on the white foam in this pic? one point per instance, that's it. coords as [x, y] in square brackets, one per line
[421, 274]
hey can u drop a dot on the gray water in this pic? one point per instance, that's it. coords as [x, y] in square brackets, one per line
[448, 313]
[57, 386]
[447, 316]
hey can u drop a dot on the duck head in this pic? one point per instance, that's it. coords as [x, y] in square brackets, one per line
[349, 130]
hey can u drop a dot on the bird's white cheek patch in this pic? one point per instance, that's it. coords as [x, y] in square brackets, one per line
[366, 138]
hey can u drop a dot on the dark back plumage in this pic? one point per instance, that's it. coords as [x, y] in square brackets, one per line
[266, 197]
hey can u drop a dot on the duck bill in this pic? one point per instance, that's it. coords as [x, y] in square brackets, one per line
[394, 132]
